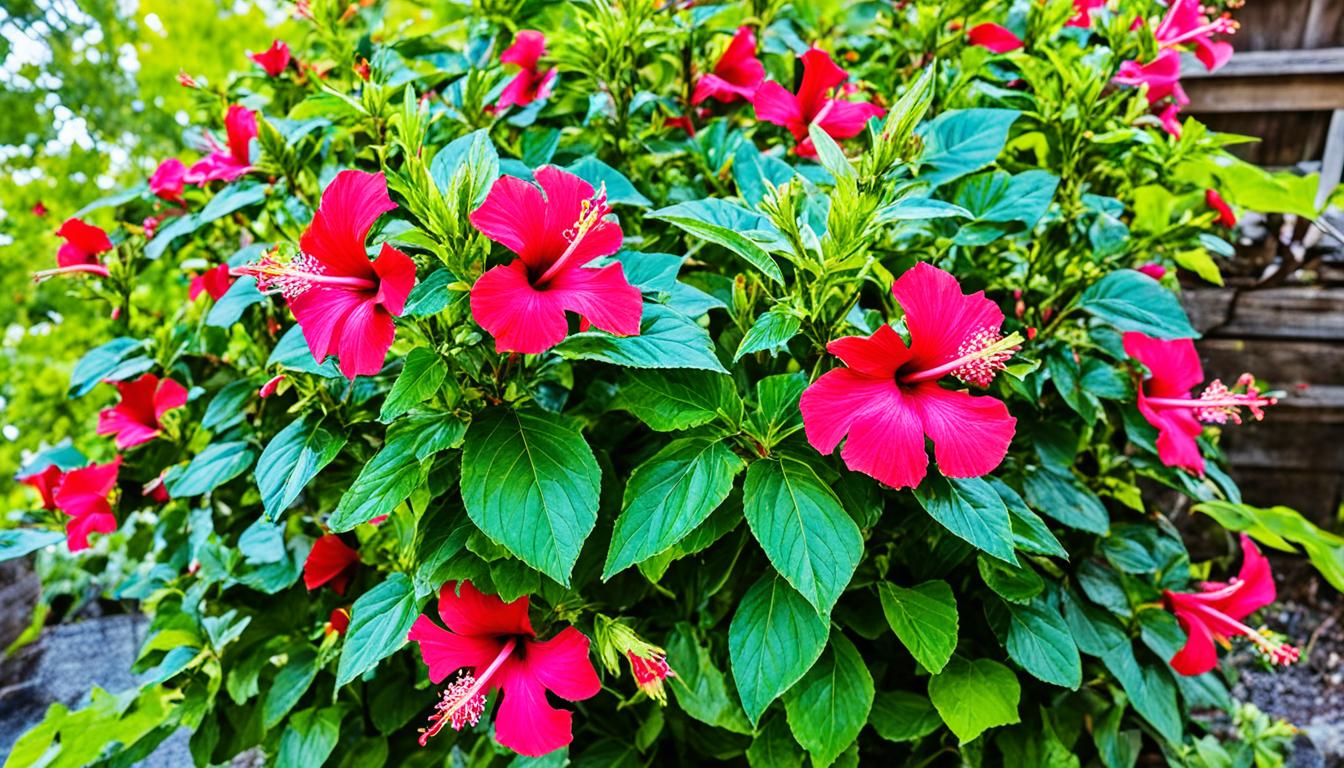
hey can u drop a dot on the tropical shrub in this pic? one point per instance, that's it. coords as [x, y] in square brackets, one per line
[632, 383]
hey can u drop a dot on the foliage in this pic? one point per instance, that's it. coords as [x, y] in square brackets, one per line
[659, 491]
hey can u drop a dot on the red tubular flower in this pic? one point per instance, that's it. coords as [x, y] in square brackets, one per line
[736, 75]
[274, 59]
[270, 386]
[888, 398]
[39, 209]
[330, 561]
[45, 483]
[994, 37]
[343, 302]
[168, 180]
[1083, 13]
[840, 119]
[1226, 216]
[136, 419]
[214, 281]
[80, 251]
[339, 621]
[1215, 613]
[523, 304]
[1164, 398]
[228, 163]
[1162, 76]
[650, 672]
[83, 495]
[494, 646]
[1153, 270]
[530, 84]
[1185, 22]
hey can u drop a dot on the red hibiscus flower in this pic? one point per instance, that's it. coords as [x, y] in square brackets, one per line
[330, 561]
[888, 398]
[530, 84]
[1185, 22]
[1083, 13]
[523, 303]
[168, 180]
[338, 622]
[840, 119]
[45, 483]
[83, 495]
[994, 37]
[736, 75]
[343, 302]
[228, 163]
[136, 419]
[274, 59]
[1164, 398]
[1226, 216]
[1215, 613]
[80, 251]
[1170, 117]
[1162, 76]
[214, 281]
[493, 645]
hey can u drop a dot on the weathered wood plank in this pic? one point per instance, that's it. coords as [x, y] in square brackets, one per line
[1288, 93]
[1297, 312]
[1284, 363]
[1321, 61]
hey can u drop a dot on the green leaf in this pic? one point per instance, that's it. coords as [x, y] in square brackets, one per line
[226, 407]
[777, 415]
[291, 682]
[1039, 640]
[803, 529]
[971, 509]
[398, 468]
[722, 223]
[292, 459]
[919, 209]
[963, 141]
[212, 467]
[772, 331]
[774, 747]
[830, 705]
[774, 639]
[1014, 583]
[924, 618]
[1066, 500]
[974, 696]
[310, 738]
[599, 174]
[700, 688]
[421, 376]
[998, 197]
[241, 295]
[379, 621]
[667, 339]
[679, 399]
[668, 496]
[99, 363]
[431, 295]
[530, 482]
[17, 542]
[474, 151]
[903, 716]
[1030, 533]
[1150, 691]
[1132, 301]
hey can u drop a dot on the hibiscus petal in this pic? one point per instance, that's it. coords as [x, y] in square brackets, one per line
[846, 119]
[776, 105]
[84, 491]
[885, 440]
[445, 652]
[86, 238]
[970, 433]
[129, 432]
[366, 335]
[1198, 655]
[1177, 429]
[328, 559]
[879, 355]
[240, 125]
[820, 75]
[468, 611]
[566, 194]
[1257, 589]
[562, 666]
[528, 46]
[994, 37]
[77, 530]
[396, 278]
[350, 205]
[321, 313]
[168, 396]
[739, 66]
[518, 316]
[603, 297]
[219, 166]
[518, 91]
[513, 216]
[1173, 365]
[1214, 54]
[939, 316]
[526, 722]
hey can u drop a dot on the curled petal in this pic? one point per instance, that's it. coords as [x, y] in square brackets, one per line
[468, 611]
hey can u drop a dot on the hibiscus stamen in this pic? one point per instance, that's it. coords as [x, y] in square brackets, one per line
[1218, 404]
[980, 356]
[92, 269]
[1223, 25]
[650, 671]
[463, 701]
[591, 213]
[294, 277]
[1275, 651]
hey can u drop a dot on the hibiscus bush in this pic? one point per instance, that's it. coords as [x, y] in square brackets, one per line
[638, 383]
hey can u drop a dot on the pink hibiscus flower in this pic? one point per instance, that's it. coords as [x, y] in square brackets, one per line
[840, 119]
[274, 59]
[530, 84]
[79, 253]
[888, 398]
[330, 561]
[1162, 76]
[1170, 117]
[1215, 613]
[994, 37]
[1185, 22]
[493, 645]
[83, 495]
[45, 483]
[1083, 13]
[1226, 216]
[736, 75]
[136, 419]
[168, 180]
[214, 281]
[1164, 398]
[343, 302]
[228, 163]
[522, 304]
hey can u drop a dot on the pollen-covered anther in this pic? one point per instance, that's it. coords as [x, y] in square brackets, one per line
[1274, 650]
[1219, 404]
[983, 357]
[461, 704]
[289, 279]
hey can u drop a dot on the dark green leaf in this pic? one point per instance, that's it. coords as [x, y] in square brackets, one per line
[924, 618]
[971, 509]
[974, 696]
[241, 295]
[667, 339]
[292, 459]
[903, 716]
[421, 376]
[379, 621]
[212, 467]
[1039, 640]
[963, 141]
[774, 639]
[679, 399]
[1066, 500]
[730, 226]
[771, 331]
[830, 705]
[1133, 301]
